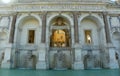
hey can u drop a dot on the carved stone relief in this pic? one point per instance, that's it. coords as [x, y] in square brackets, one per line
[59, 60]
[4, 22]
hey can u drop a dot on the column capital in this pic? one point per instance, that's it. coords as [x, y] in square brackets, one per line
[105, 13]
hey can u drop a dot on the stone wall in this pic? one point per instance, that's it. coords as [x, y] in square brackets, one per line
[103, 19]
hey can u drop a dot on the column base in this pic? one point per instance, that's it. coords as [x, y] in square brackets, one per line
[78, 65]
[113, 65]
[5, 64]
[41, 65]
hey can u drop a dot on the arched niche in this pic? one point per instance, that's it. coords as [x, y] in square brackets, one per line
[95, 25]
[94, 17]
[59, 32]
[27, 24]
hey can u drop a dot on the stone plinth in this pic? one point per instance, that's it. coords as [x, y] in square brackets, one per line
[113, 64]
[6, 61]
[41, 65]
[78, 62]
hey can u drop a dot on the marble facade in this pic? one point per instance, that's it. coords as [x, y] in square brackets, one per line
[101, 18]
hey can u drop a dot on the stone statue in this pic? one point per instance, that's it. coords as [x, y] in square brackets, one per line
[59, 21]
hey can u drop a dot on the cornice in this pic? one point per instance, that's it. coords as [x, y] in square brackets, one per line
[53, 6]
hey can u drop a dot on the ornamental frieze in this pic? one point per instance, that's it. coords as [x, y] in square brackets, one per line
[29, 1]
[59, 7]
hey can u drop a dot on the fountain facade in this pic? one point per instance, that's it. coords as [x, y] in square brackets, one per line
[55, 34]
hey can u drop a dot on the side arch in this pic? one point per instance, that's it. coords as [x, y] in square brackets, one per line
[21, 18]
[100, 27]
[93, 17]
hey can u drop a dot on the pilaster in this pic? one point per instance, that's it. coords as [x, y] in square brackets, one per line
[107, 30]
[41, 62]
[43, 39]
[11, 38]
[78, 62]
[76, 31]
[113, 63]
[7, 58]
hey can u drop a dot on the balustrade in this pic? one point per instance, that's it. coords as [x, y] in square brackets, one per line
[60, 48]
[59, 27]
[90, 47]
[26, 47]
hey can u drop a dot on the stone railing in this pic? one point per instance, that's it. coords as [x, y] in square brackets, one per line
[26, 47]
[60, 48]
[90, 47]
[84, 47]
[59, 27]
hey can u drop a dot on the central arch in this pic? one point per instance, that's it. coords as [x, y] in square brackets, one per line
[60, 33]
[60, 38]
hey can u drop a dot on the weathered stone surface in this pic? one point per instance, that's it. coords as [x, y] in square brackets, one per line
[100, 17]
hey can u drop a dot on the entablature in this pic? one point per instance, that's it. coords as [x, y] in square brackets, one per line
[34, 1]
[58, 5]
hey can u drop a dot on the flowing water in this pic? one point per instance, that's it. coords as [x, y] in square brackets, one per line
[25, 72]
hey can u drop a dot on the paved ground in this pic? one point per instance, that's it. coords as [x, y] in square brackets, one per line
[19, 72]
